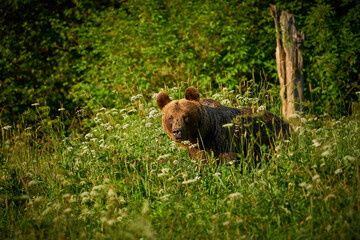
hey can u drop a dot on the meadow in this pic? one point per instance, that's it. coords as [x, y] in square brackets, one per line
[114, 174]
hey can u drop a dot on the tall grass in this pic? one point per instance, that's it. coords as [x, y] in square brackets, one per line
[121, 177]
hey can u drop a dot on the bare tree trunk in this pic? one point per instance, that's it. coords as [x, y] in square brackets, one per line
[289, 61]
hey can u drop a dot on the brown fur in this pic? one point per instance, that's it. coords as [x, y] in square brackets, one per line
[201, 122]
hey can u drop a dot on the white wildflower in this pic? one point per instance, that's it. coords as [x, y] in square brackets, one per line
[165, 197]
[262, 108]
[97, 120]
[228, 125]
[86, 211]
[338, 171]
[226, 223]
[162, 174]
[7, 127]
[303, 184]
[111, 222]
[235, 195]
[66, 195]
[186, 142]
[38, 199]
[148, 125]
[350, 158]
[294, 116]
[154, 95]
[46, 211]
[166, 170]
[84, 194]
[66, 183]
[174, 89]
[98, 187]
[61, 109]
[175, 162]
[136, 97]
[94, 193]
[225, 102]
[197, 178]
[164, 156]
[133, 110]
[217, 95]
[35, 104]
[316, 177]
[89, 135]
[72, 199]
[111, 193]
[194, 145]
[67, 210]
[325, 153]
[152, 113]
[316, 143]
[126, 126]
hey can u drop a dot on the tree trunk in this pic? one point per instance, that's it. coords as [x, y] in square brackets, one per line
[289, 61]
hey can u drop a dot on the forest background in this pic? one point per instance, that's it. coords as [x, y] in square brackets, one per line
[78, 54]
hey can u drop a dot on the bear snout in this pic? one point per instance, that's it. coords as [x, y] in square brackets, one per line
[177, 132]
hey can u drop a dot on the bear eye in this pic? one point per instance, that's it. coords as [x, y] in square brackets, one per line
[170, 119]
[186, 118]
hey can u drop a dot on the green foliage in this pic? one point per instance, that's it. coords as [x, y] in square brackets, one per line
[82, 54]
[161, 44]
[125, 179]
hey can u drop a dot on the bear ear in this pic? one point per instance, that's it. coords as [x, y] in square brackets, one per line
[192, 93]
[162, 99]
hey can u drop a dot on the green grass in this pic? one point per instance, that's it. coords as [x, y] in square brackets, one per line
[121, 177]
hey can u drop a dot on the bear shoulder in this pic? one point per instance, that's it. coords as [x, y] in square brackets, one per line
[211, 103]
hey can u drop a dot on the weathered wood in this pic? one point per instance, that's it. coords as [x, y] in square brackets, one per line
[289, 61]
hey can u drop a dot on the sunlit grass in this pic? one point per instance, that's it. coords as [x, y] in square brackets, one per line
[121, 177]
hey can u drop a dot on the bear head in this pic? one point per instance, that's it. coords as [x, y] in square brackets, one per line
[182, 119]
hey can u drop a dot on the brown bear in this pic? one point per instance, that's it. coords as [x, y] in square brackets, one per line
[211, 128]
